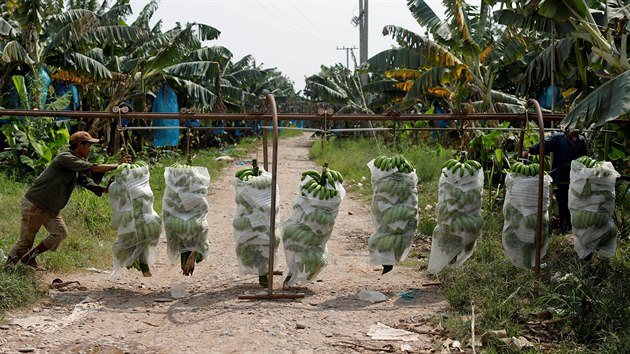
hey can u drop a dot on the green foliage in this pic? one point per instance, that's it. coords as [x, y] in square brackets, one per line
[591, 294]
[34, 142]
[18, 288]
[349, 157]
[610, 145]
[590, 298]
[427, 221]
[10, 199]
[427, 161]
[287, 133]
[95, 211]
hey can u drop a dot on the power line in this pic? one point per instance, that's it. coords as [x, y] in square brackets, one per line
[279, 14]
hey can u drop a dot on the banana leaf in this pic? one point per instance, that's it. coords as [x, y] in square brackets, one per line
[608, 102]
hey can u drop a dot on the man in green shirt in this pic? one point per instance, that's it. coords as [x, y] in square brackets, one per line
[50, 193]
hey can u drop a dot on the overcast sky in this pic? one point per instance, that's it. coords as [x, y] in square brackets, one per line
[294, 36]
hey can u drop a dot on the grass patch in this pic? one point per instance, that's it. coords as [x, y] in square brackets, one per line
[350, 157]
[286, 133]
[10, 199]
[18, 287]
[589, 299]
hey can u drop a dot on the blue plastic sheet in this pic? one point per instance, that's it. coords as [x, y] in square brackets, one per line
[13, 98]
[544, 99]
[439, 123]
[165, 102]
[61, 88]
[410, 294]
[219, 124]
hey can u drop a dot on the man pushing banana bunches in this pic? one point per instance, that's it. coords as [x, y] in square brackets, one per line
[185, 210]
[50, 193]
[394, 210]
[458, 213]
[308, 228]
[252, 221]
[592, 204]
[138, 225]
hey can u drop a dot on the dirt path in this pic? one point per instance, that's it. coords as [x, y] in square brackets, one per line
[132, 314]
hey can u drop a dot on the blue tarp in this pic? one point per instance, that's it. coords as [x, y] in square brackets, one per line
[544, 99]
[296, 123]
[14, 101]
[165, 102]
[219, 124]
[439, 123]
[61, 88]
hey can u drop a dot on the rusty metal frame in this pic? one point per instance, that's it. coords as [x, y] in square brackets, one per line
[272, 227]
[274, 117]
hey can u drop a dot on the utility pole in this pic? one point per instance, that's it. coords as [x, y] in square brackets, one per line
[363, 35]
[362, 22]
[363, 30]
[348, 55]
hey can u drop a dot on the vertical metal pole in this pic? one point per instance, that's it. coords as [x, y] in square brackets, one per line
[553, 65]
[265, 158]
[188, 155]
[272, 223]
[274, 176]
[541, 176]
[521, 137]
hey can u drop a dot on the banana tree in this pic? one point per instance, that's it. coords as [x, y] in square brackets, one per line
[45, 34]
[591, 54]
[457, 60]
[338, 86]
[341, 88]
[255, 81]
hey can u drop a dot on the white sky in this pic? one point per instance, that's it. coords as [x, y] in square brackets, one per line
[294, 36]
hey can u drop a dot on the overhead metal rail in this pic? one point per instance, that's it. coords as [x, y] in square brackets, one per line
[515, 117]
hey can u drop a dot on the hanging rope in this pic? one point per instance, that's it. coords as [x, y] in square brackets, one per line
[188, 156]
[123, 142]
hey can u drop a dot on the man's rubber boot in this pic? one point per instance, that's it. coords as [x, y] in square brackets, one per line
[29, 257]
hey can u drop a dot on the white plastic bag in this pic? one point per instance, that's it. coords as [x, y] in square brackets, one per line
[592, 204]
[306, 232]
[137, 224]
[252, 221]
[520, 210]
[185, 211]
[458, 219]
[394, 214]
